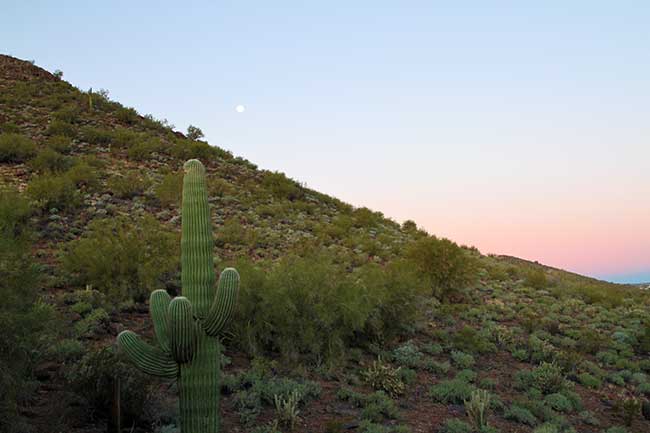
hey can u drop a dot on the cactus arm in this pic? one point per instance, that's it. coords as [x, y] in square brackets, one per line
[183, 330]
[158, 306]
[197, 273]
[224, 302]
[147, 358]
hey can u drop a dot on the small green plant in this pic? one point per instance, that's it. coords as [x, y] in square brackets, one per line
[462, 360]
[455, 425]
[454, 391]
[54, 191]
[129, 185]
[521, 415]
[286, 409]
[548, 378]
[629, 408]
[382, 376]
[477, 408]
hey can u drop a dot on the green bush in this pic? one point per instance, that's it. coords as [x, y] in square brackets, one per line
[144, 149]
[95, 135]
[521, 415]
[548, 378]
[454, 391]
[455, 425]
[92, 380]
[26, 322]
[16, 148]
[188, 149]
[445, 266]
[281, 186]
[49, 160]
[334, 307]
[128, 185]
[123, 257]
[54, 191]
[383, 377]
[536, 279]
[61, 128]
[59, 143]
[126, 115]
[170, 191]
[462, 360]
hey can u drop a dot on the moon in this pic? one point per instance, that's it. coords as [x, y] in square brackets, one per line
[240, 108]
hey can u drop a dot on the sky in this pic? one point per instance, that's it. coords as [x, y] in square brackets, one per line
[519, 127]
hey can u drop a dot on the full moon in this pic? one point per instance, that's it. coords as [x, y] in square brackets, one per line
[240, 108]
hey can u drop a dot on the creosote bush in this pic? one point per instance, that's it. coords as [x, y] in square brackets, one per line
[123, 257]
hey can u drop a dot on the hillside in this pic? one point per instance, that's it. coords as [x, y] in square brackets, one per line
[378, 326]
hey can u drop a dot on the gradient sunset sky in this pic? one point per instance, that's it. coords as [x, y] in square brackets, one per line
[518, 127]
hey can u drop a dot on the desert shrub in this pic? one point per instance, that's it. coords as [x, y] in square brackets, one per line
[92, 379]
[122, 257]
[589, 380]
[455, 425]
[59, 143]
[629, 408]
[469, 340]
[436, 367]
[128, 185]
[67, 114]
[536, 279]
[334, 307]
[189, 149]
[9, 128]
[124, 138]
[281, 186]
[383, 376]
[126, 115]
[50, 160]
[548, 378]
[170, 191]
[16, 148]
[520, 414]
[477, 408]
[454, 391]
[82, 174]
[462, 360]
[61, 128]
[558, 402]
[54, 191]
[445, 266]
[26, 321]
[407, 355]
[95, 135]
[145, 149]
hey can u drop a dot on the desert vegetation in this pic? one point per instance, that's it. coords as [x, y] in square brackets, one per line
[345, 320]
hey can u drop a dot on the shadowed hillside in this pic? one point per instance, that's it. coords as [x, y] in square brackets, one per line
[351, 321]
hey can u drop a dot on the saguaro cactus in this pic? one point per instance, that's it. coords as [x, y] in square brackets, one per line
[187, 327]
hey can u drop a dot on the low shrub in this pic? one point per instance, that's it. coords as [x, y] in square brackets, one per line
[454, 391]
[54, 191]
[16, 148]
[123, 257]
[383, 377]
[49, 160]
[128, 185]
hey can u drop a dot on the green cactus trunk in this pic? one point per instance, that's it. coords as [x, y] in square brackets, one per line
[199, 387]
[187, 327]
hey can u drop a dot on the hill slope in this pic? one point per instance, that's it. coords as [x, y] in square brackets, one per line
[102, 181]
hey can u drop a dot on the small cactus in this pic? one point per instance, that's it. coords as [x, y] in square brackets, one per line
[187, 327]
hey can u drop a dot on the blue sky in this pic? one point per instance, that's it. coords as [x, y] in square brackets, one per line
[518, 127]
